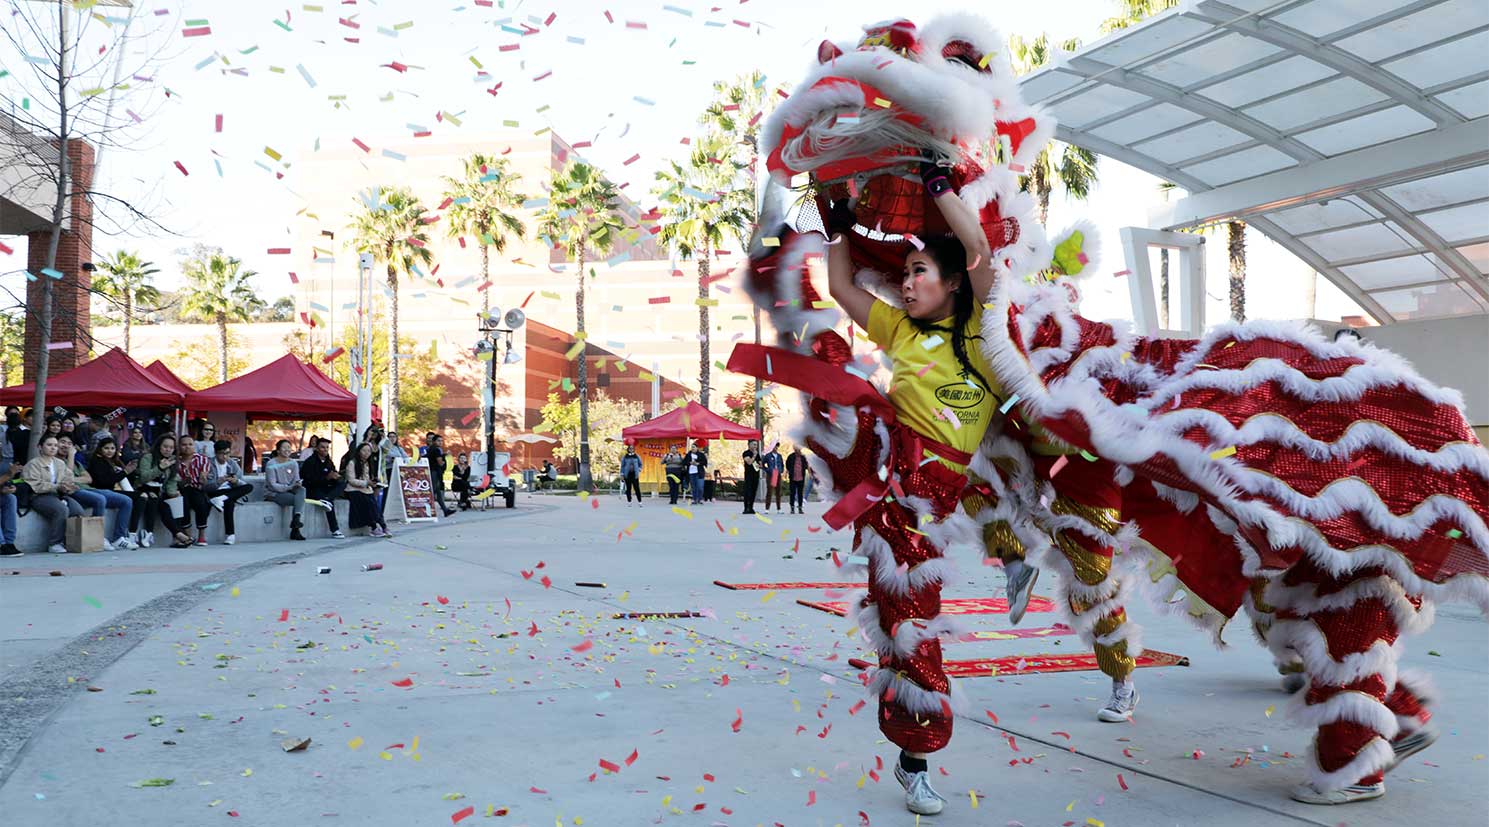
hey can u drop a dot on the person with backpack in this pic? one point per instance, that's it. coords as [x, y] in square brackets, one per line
[630, 473]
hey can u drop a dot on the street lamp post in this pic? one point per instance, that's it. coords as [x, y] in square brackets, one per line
[496, 337]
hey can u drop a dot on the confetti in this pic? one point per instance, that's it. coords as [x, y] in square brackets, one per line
[1223, 452]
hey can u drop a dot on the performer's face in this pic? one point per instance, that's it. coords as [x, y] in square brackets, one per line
[925, 293]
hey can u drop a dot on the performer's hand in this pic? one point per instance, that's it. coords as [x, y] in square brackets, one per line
[840, 218]
[937, 181]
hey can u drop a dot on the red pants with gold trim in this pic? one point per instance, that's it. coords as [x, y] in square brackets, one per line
[1346, 628]
[1087, 493]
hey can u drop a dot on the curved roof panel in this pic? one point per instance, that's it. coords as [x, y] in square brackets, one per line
[1355, 133]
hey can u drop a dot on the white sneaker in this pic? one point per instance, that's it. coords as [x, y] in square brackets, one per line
[1308, 794]
[338, 535]
[147, 538]
[1405, 746]
[1123, 701]
[230, 539]
[919, 797]
[126, 542]
[1021, 579]
[107, 544]
[217, 502]
[57, 548]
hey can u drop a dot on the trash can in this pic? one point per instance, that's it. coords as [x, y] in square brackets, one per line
[530, 478]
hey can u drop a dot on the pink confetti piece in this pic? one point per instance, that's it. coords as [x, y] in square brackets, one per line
[180, 167]
[1121, 273]
[1059, 464]
[457, 817]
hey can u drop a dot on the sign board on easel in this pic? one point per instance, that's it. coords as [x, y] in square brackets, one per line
[414, 493]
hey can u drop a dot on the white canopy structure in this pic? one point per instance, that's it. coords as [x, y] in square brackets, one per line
[1351, 132]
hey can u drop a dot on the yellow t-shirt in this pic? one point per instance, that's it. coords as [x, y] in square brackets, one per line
[930, 390]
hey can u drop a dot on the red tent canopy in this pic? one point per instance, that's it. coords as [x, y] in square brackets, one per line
[164, 376]
[690, 422]
[283, 389]
[113, 380]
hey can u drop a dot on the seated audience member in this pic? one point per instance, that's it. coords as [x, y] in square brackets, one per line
[52, 486]
[282, 485]
[110, 478]
[359, 469]
[323, 483]
[225, 480]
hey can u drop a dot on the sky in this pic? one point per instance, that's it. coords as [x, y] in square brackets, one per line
[628, 76]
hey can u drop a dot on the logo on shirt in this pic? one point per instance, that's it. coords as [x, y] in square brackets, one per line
[960, 395]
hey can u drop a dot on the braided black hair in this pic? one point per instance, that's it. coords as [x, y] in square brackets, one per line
[951, 259]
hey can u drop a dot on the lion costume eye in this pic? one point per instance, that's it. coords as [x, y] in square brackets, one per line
[960, 51]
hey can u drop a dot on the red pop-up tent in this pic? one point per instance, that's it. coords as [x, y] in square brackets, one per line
[165, 376]
[692, 421]
[283, 389]
[113, 380]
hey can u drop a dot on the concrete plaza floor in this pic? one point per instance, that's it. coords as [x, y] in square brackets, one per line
[474, 672]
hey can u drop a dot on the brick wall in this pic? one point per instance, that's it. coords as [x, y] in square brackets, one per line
[71, 323]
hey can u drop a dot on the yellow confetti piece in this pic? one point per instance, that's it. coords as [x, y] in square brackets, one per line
[767, 596]
[982, 64]
[235, 592]
[385, 756]
[764, 519]
[355, 743]
[882, 102]
[682, 511]
[824, 304]
[771, 241]
[270, 151]
[1070, 807]
[973, 793]
[248, 772]
[702, 302]
[1269, 710]
[1095, 822]
[1223, 453]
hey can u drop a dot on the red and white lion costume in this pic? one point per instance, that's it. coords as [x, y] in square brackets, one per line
[1329, 473]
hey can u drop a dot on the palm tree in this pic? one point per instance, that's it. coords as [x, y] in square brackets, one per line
[1134, 12]
[218, 290]
[124, 279]
[1235, 250]
[700, 202]
[1076, 167]
[735, 113]
[484, 201]
[391, 228]
[582, 215]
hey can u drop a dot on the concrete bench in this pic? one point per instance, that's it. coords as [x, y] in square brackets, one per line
[257, 521]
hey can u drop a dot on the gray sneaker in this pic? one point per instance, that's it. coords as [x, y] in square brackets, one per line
[919, 797]
[1020, 588]
[1405, 746]
[1308, 794]
[1123, 701]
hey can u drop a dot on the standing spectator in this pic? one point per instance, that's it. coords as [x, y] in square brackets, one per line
[17, 436]
[225, 480]
[8, 512]
[52, 486]
[7, 449]
[392, 453]
[282, 485]
[460, 480]
[309, 450]
[771, 467]
[159, 486]
[811, 482]
[796, 474]
[82, 434]
[751, 483]
[110, 477]
[134, 447]
[438, 463]
[676, 473]
[360, 471]
[205, 438]
[194, 488]
[87, 496]
[323, 483]
[696, 461]
[630, 474]
[250, 454]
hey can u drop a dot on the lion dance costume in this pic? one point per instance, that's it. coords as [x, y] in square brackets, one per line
[1325, 487]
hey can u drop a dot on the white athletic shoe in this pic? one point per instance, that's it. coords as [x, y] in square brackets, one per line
[1308, 794]
[1408, 745]
[126, 542]
[217, 502]
[1123, 701]
[230, 539]
[1021, 579]
[338, 534]
[57, 548]
[147, 538]
[919, 797]
[107, 544]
